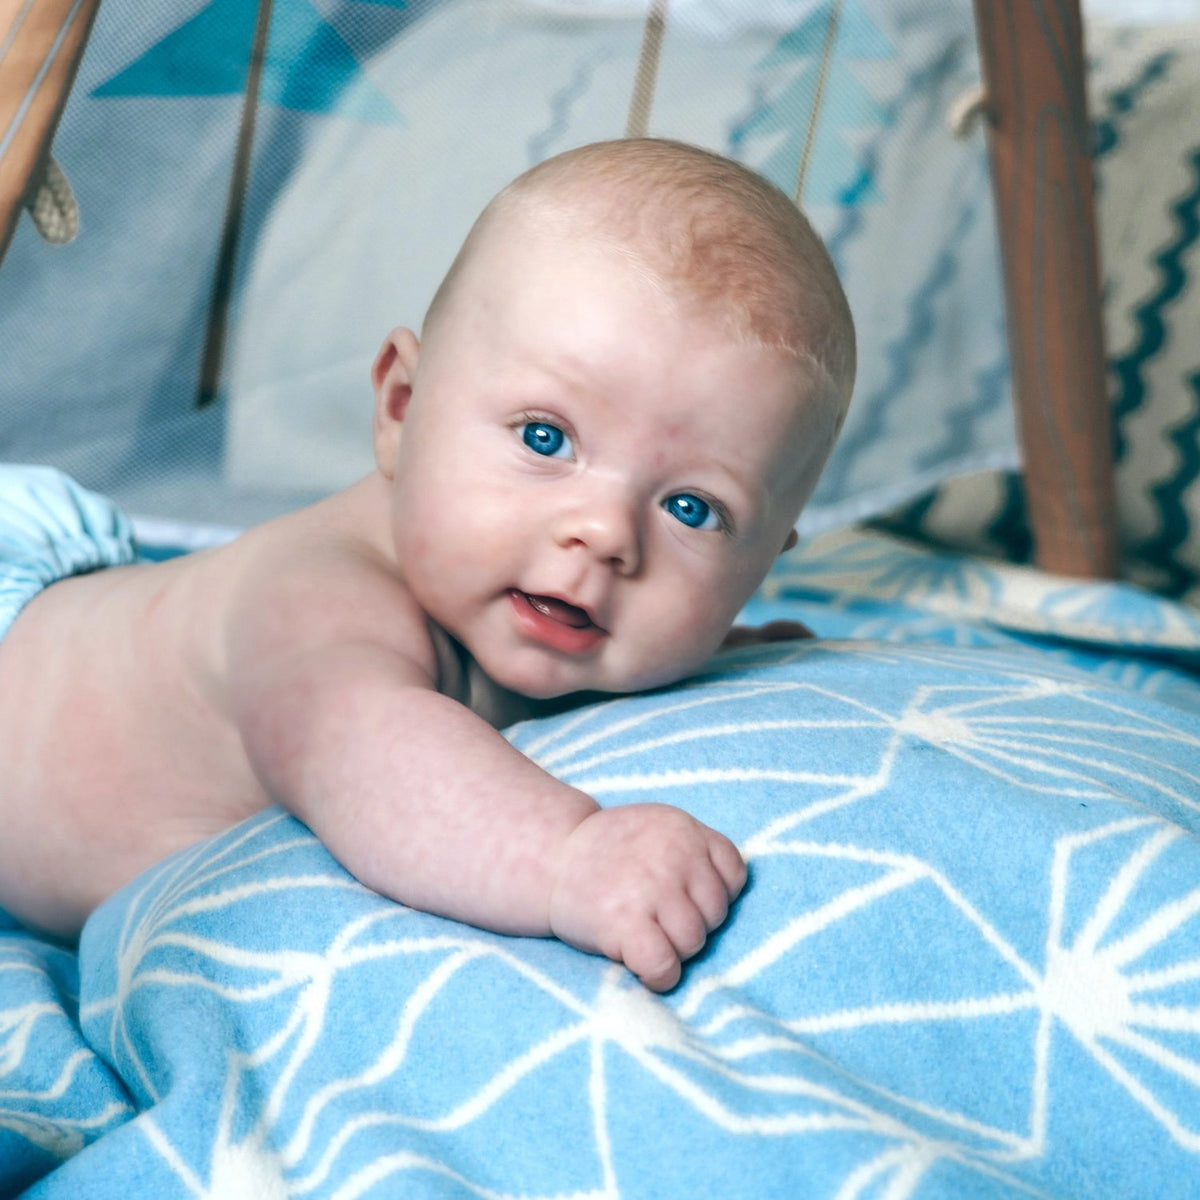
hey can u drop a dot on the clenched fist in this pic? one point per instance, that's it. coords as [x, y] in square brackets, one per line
[644, 884]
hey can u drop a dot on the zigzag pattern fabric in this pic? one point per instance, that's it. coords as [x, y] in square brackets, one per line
[1144, 84]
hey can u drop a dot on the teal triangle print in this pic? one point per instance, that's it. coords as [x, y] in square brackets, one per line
[308, 66]
[815, 60]
[857, 35]
[208, 55]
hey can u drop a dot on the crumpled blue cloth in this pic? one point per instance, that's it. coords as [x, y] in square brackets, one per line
[51, 528]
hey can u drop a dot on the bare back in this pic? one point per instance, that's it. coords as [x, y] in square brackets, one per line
[118, 740]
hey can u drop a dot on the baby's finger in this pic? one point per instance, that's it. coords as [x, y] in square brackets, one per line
[650, 955]
[684, 925]
[772, 631]
[784, 631]
[710, 895]
[729, 864]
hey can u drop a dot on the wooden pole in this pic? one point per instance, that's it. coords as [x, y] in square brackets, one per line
[41, 44]
[1039, 142]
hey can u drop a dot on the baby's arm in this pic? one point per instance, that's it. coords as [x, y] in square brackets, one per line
[424, 802]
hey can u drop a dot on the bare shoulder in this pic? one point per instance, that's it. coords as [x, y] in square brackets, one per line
[322, 576]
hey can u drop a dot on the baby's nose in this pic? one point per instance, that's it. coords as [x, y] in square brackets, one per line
[607, 527]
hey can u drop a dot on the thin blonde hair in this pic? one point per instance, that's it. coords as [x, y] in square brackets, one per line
[708, 228]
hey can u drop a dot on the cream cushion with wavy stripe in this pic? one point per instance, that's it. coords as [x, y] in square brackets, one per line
[1144, 93]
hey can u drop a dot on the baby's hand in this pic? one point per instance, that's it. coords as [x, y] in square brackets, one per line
[772, 631]
[644, 884]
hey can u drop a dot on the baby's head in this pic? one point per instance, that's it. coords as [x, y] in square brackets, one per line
[704, 229]
[623, 394]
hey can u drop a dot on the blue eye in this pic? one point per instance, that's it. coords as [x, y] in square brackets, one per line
[546, 439]
[692, 511]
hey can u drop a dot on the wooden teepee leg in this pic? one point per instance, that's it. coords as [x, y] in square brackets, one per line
[1039, 144]
[41, 43]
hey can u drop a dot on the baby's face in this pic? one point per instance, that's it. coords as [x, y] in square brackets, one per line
[591, 480]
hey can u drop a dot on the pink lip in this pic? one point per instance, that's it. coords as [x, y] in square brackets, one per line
[556, 623]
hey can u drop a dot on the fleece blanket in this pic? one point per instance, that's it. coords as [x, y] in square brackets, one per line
[967, 961]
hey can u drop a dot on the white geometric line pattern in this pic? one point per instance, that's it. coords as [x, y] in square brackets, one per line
[55, 1095]
[967, 963]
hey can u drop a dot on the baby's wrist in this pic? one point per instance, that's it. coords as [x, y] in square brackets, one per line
[564, 863]
[588, 809]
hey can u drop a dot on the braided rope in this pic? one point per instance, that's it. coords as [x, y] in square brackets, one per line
[52, 205]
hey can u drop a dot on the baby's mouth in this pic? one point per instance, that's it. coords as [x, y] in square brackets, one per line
[560, 610]
[556, 623]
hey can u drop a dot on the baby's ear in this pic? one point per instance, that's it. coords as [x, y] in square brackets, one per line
[392, 377]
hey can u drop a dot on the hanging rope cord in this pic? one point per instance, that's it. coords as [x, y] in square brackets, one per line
[814, 117]
[646, 78]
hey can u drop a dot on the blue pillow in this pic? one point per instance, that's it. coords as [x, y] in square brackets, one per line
[967, 963]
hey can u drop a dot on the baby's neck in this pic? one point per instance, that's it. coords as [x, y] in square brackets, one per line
[464, 679]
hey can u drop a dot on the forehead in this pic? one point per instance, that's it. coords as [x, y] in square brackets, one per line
[563, 291]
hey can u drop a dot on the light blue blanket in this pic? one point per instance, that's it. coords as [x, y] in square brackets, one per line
[967, 963]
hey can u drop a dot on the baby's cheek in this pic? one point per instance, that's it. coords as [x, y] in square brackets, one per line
[682, 649]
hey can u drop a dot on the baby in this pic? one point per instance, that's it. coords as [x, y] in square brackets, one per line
[621, 397]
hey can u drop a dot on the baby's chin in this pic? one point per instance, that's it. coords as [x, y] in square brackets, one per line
[554, 685]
